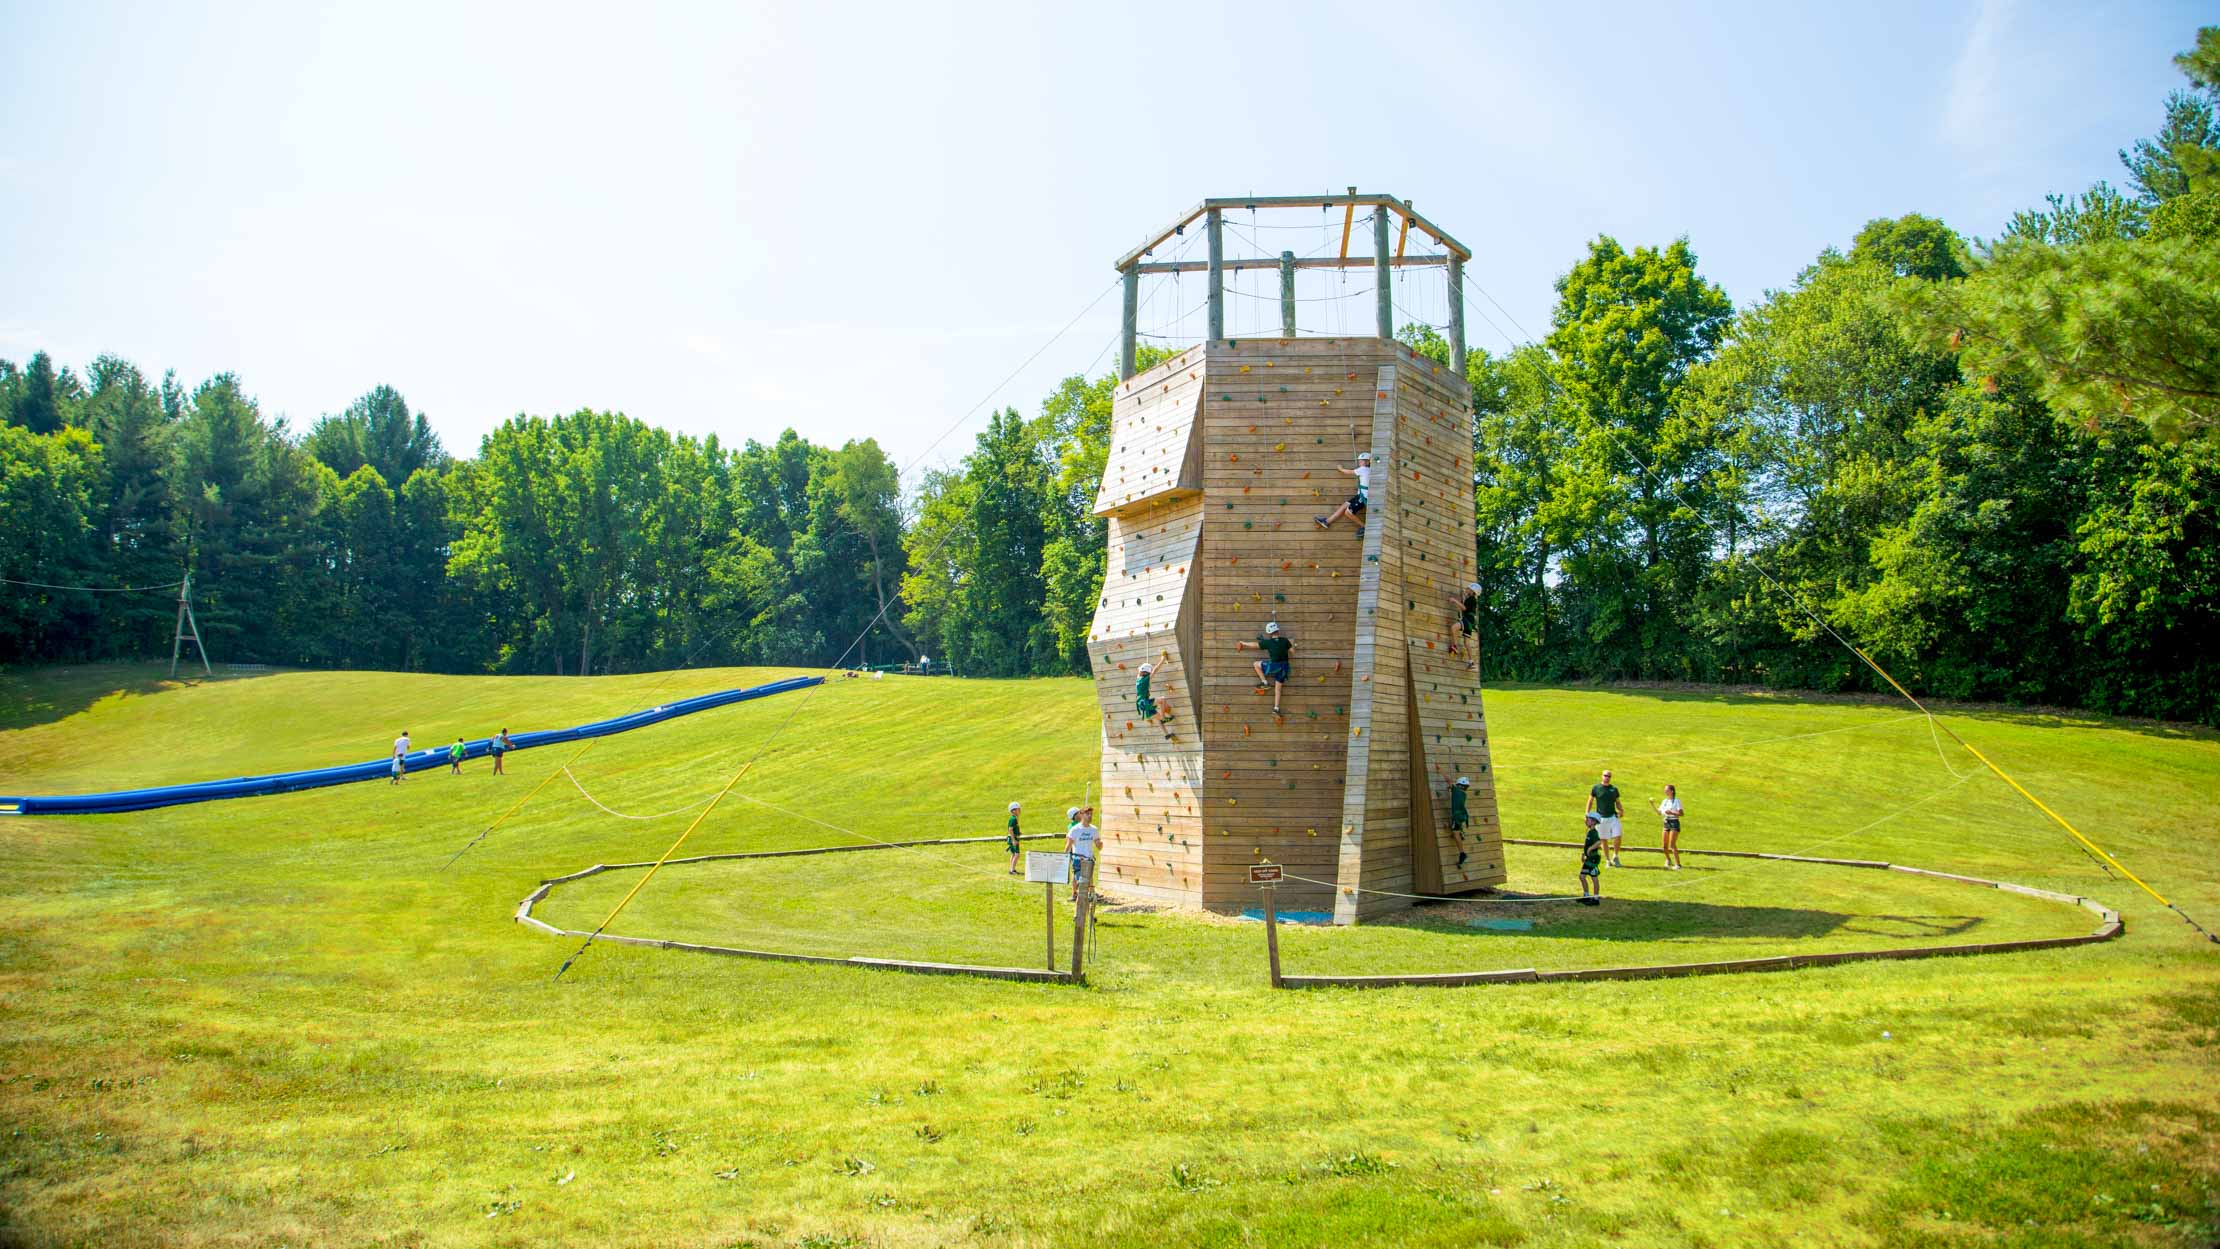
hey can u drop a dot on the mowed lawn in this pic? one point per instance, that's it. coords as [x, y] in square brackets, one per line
[282, 1021]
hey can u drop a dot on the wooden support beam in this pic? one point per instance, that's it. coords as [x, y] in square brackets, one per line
[1129, 324]
[1402, 233]
[1348, 219]
[1351, 202]
[1382, 275]
[1287, 294]
[1267, 262]
[1456, 316]
[1217, 291]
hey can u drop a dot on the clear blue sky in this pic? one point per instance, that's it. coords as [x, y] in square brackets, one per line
[857, 219]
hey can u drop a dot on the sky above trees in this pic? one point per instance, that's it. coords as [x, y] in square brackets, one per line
[855, 221]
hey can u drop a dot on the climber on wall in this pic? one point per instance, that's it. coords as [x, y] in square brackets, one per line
[1272, 670]
[1354, 508]
[1468, 623]
[1142, 702]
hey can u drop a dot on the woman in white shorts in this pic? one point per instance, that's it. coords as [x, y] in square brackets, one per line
[1669, 808]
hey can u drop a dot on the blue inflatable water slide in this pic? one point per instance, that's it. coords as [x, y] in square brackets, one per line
[378, 769]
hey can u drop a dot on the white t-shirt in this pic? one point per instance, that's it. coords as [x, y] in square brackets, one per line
[401, 744]
[1364, 478]
[1670, 808]
[1082, 838]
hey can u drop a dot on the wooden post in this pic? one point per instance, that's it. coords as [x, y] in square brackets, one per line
[177, 638]
[1456, 315]
[1381, 272]
[1272, 929]
[187, 621]
[1130, 327]
[1214, 225]
[1048, 893]
[1083, 904]
[1287, 294]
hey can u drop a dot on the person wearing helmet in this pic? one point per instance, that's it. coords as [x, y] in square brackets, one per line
[1458, 815]
[1142, 702]
[1272, 670]
[1010, 839]
[1591, 865]
[1468, 623]
[1354, 508]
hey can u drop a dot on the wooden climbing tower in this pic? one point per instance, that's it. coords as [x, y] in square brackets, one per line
[1220, 457]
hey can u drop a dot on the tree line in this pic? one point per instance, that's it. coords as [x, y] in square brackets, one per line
[1990, 462]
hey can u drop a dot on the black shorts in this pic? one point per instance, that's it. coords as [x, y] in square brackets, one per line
[1672, 824]
[1356, 501]
[1276, 670]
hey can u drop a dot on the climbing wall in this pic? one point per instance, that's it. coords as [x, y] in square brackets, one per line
[1151, 496]
[1220, 458]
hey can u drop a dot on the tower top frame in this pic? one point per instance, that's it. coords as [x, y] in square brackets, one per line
[1211, 212]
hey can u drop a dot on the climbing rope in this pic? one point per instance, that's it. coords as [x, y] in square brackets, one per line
[624, 815]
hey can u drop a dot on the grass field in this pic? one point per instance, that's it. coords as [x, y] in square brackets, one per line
[281, 1022]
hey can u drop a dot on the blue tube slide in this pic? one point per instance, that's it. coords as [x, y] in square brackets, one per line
[378, 769]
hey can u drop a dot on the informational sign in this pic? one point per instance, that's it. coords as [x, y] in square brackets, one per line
[1048, 867]
[1265, 873]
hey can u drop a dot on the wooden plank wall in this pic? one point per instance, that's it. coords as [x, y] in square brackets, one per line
[1280, 416]
[1260, 427]
[1149, 808]
[1433, 488]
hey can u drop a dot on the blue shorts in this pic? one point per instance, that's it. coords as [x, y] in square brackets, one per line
[1275, 670]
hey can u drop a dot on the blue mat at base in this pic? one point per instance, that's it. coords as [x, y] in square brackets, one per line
[1502, 925]
[380, 769]
[1291, 917]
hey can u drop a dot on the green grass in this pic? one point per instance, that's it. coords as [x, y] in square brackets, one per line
[280, 1022]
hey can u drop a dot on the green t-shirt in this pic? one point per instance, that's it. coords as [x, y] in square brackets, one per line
[1274, 646]
[1591, 853]
[1457, 803]
[1607, 799]
[455, 751]
[1141, 686]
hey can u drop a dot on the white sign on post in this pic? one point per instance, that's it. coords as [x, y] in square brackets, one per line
[1047, 867]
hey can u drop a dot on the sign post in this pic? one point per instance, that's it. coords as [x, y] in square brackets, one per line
[1050, 868]
[1266, 877]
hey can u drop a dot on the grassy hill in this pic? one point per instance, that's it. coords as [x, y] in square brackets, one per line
[281, 1021]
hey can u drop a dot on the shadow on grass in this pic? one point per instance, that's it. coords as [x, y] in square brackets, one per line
[1648, 919]
[34, 695]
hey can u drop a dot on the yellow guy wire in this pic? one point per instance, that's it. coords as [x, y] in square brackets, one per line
[2006, 777]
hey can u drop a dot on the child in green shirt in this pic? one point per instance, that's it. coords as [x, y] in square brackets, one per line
[1591, 866]
[454, 758]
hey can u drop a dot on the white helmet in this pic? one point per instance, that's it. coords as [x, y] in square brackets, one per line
[1144, 669]
[1364, 457]
[1013, 806]
[1071, 813]
[1462, 782]
[1271, 626]
[1473, 586]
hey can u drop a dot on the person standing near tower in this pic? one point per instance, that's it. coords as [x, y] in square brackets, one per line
[1603, 803]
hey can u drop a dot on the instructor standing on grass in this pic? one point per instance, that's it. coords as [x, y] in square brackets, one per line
[1080, 841]
[1603, 803]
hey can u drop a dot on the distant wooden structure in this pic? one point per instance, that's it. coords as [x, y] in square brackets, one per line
[1220, 457]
